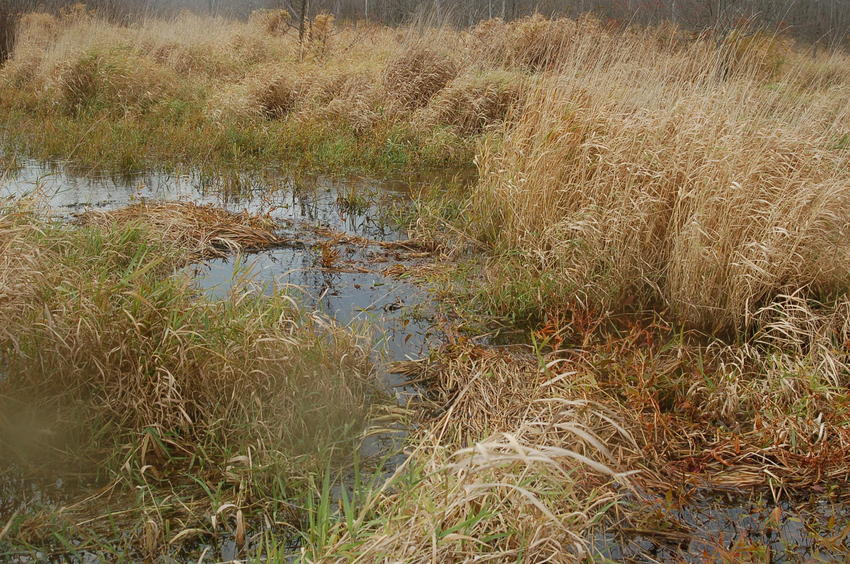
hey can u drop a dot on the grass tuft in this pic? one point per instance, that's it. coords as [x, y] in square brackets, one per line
[700, 210]
[475, 103]
[115, 367]
[415, 76]
[272, 22]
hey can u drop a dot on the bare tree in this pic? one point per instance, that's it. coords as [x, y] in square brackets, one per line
[302, 21]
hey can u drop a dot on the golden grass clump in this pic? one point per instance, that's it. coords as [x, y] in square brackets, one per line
[34, 33]
[533, 42]
[205, 231]
[343, 85]
[321, 33]
[415, 76]
[700, 209]
[22, 69]
[538, 42]
[277, 97]
[526, 475]
[269, 91]
[252, 50]
[668, 37]
[755, 53]
[75, 12]
[272, 22]
[115, 80]
[474, 102]
[37, 29]
[206, 51]
[789, 378]
[816, 73]
[350, 98]
[202, 60]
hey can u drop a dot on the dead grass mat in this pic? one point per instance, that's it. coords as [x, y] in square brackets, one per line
[207, 231]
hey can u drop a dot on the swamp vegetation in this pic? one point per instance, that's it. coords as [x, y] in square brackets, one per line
[633, 280]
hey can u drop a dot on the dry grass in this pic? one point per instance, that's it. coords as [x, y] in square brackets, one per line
[477, 102]
[203, 230]
[37, 29]
[766, 415]
[272, 22]
[527, 474]
[321, 34]
[701, 179]
[193, 78]
[784, 393]
[753, 53]
[544, 438]
[535, 42]
[415, 76]
[123, 84]
[704, 198]
[194, 88]
[114, 366]
[277, 98]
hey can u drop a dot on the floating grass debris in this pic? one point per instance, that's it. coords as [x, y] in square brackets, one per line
[206, 231]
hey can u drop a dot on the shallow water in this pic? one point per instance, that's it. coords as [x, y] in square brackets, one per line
[301, 205]
[713, 527]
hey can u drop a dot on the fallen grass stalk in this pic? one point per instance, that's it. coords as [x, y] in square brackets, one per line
[530, 485]
[207, 231]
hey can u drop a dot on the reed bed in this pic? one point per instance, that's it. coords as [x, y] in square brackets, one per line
[203, 88]
[207, 89]
[702, 210]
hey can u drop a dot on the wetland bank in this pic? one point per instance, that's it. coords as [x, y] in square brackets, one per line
[227, 335]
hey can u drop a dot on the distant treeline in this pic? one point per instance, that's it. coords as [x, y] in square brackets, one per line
[825, 22]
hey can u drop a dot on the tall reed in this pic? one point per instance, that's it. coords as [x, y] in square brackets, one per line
[664, 182]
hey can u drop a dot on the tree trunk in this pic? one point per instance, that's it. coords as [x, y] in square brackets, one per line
[302, 22]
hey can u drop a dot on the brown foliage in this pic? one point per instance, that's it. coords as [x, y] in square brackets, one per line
[277, 97]
[272, 22]
[120, 81]
[472, 103]
[417, 75]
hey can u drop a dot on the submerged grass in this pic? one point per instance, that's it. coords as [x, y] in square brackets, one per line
[115, 368]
